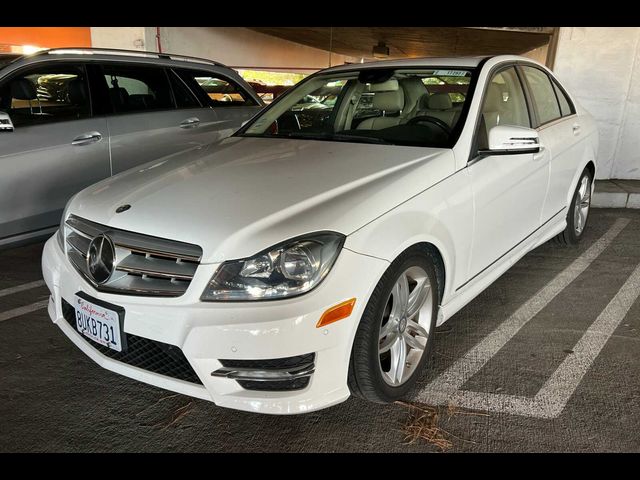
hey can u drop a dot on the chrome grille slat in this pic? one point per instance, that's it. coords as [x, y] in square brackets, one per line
[145, 265]
[79, 242]
[136, 241]
[157, 267]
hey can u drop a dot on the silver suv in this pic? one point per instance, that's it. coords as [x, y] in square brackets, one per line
[71, 117]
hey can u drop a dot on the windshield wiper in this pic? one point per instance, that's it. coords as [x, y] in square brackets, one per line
[338, 137]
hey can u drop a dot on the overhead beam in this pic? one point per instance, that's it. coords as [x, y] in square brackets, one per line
[541, 30]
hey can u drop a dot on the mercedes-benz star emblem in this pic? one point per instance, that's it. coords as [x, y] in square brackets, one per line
[100, 258]
[123, 208]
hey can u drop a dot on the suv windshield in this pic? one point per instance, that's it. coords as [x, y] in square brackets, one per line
[415, 107]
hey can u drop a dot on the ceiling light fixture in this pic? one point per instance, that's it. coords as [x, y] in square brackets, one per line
[381, 50]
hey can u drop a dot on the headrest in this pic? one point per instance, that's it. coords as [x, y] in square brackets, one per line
[77, 92]
[388, 86]
[414, 89]
[23, 89]
[493, 101]
[389, 101]
[440, 101]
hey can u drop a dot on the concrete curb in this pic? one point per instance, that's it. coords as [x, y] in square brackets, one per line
[616, 194]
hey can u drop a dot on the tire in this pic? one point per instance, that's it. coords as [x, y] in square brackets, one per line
[574, 232]
[367, 376]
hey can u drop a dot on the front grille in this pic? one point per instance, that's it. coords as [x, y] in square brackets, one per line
[144, 265]
[156, 357]
[272, 375]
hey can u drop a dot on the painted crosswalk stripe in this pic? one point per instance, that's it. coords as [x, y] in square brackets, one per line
[443, 388]
[16, 312]
[21, 288]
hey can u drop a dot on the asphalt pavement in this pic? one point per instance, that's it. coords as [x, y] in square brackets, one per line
[546, 359]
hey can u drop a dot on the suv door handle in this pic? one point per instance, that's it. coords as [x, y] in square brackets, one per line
[87, 138]
[190, 122]
[576, 128]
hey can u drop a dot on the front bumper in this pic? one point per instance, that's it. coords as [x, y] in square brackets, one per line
[208, 332]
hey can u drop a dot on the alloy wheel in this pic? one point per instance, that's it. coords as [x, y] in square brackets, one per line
[404, 330]
[583, 202]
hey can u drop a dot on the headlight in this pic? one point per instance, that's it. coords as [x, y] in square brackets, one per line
[288, 269]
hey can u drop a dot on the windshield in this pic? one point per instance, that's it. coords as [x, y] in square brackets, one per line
[415, 107]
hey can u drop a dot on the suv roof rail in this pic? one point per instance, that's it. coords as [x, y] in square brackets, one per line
[118, 51]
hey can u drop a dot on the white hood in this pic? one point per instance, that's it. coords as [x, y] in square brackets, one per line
[242, 195]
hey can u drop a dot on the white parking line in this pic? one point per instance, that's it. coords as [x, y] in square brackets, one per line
[16, 312]
[558, 389]
[446, 387]
[21, 288]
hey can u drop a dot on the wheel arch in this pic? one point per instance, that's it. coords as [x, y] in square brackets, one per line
[388, 243]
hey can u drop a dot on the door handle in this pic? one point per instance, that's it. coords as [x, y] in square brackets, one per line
[576, 128]
[190, 122]
[87, 138]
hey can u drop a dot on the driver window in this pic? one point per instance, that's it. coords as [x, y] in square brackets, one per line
[504, 104]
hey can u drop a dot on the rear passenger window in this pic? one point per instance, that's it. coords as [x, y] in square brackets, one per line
[138, 88]
[565, 107]
[46, 94]
[216, 90]
[543, 95]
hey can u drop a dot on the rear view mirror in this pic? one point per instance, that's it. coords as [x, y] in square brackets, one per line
[6, 125]
[509, 139]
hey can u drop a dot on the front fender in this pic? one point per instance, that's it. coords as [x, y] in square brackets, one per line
[441, 216]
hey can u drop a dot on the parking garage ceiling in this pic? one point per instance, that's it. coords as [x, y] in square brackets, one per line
[417, 41]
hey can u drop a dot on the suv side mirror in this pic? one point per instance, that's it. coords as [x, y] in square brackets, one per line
[6, 125]
[510, 139]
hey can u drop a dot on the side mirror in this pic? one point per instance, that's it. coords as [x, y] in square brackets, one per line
[6, 125]
[509, 139]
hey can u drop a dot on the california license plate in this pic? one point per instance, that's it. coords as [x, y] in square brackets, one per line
[100, 324]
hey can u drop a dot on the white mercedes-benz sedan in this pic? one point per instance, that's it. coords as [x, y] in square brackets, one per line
[311, 255]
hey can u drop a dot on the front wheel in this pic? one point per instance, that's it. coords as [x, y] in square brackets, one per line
[395, 333]
[578, 213]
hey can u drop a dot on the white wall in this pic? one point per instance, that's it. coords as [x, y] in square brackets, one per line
[601, 67]
[128, 38]
[241, 47]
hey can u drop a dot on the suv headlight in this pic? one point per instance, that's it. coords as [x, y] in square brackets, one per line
[285, 270]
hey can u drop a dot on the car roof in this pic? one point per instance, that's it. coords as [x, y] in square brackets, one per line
[447, 62]
[119, 54]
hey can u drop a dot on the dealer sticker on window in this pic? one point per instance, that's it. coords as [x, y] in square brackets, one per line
[450, 73]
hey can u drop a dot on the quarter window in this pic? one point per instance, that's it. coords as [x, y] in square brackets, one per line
[565, 107]
[134, 89]
[46, 95]
[504, 104]
[544, 97]
[215, 90]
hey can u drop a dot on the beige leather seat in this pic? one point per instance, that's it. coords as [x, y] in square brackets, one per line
[414, 90]
[389, 99]
[439, 105]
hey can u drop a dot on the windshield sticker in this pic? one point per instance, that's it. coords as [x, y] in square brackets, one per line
[450, 73]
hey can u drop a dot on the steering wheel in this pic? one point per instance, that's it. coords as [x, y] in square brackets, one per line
[429, 119]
